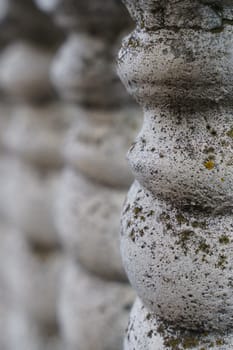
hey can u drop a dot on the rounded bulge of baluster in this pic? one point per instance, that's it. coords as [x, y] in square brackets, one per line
[24, 72]
[88, 224]
[33, 275]
[93, 313]
[184, 82]
[24, 332]
[173, 66]
[97, 144]
[29, 201]
[179, 262]
[145, 331]
[37, 133]
[36, 136]
[47, 5]
[83, 71]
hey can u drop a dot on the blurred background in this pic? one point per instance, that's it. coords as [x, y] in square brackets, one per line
[66, 123]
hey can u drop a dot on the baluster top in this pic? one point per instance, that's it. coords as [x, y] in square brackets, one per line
[197, 14]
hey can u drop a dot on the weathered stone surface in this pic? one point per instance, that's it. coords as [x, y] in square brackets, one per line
[177, 220]
[197, 14]
[179, 262]
[145, 332]
[93, 312]
[88, 223]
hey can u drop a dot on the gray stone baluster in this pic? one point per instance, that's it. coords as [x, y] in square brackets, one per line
[177, 237]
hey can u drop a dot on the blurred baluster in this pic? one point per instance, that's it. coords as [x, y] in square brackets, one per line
[34, 140]
[95, 295]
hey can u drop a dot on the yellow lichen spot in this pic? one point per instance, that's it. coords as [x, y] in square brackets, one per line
[230, 133]
[220, 342]
[222, 179]
[209, 164]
